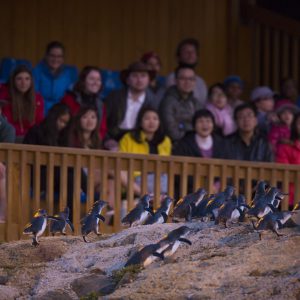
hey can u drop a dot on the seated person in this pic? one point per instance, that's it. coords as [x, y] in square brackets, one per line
[247, 143]
[147, 138]
[187, 55]
[234, 90]
[222, 111]
[289, 90]
[25, 108]
[179, 105]
[52, 77]
[86, 92]
[202, 142]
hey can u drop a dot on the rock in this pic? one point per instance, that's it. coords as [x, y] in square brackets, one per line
[93, 283]
[54, 295]
[3, 279]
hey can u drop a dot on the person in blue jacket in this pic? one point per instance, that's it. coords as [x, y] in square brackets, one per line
[52, 77]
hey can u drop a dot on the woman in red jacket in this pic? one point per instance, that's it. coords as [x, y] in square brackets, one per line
[25, 108]
[86, 93]
[289, 153]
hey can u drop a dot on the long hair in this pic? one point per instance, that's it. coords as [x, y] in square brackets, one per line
[295, 134]
[76, 132]
[80, 84]
[136, 133]
[23, 105]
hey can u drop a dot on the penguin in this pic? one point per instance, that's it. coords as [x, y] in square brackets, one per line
[145, 256]
[161, 215]
[169, 244]
[260, 191]
[272, 221]
[184, 206]
[139, 214]
[38, 225]
[294, 221]
[212, 207]
[199, 211]
[90, 222]
[60, 226]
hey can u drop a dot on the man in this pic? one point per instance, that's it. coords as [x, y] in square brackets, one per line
[124, 105]
[247, 143]
[187, 55]
[178, 106]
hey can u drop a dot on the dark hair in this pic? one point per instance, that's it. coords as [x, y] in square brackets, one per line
[80, 84]
[295, 135]
[216, 85]
[23, 106]
[54, 44]
[244, 106]
[136, 133]
[181, 67]
[76, 134]
[203, 113]
[187, 41]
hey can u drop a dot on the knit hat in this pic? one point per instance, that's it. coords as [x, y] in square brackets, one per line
[261, 92]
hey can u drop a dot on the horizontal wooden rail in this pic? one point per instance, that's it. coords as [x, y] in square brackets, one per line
[33, 172]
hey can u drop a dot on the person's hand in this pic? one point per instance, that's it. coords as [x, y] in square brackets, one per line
[111, 145]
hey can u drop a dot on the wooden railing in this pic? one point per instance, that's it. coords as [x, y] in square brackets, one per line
[23, 165]
[276, 46]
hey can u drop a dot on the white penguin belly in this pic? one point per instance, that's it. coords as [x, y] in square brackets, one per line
[265, 212]
[215, 212]
[235, 214]
[144, 216]
[40, 232]
[160, 220]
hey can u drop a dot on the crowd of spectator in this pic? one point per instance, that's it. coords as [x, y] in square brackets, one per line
[151, 114]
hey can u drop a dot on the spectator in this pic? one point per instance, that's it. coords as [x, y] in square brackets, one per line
[290, 91]
[25, 108]
[7, 131]
[49, 131]
[222, 111]
[86, 92]
[52, 77]
[234, 90]
[202, 142]
[187, 55]
[280, 132]
[179, 105]
[157, 85]
[263, 98]
[147, 138]
[123, 105]
[247, 143]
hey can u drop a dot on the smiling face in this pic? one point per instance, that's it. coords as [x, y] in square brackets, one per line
[150, 122]
[62, 121]
[55, 58]
[88, 122]
[185, 80]
[234, 90]
[246, 120]
[218, 97]
[23, 82]
[93, 82]
[188, 54]
[153, 64]
[204, 126]
[138, 81]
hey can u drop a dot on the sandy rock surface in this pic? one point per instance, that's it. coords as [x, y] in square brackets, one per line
[221, 264]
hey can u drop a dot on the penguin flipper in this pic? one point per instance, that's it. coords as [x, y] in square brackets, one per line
[100, 217]
[53, 218]
[183, 240]
[149, 210]
[70, 224]
[159, 255]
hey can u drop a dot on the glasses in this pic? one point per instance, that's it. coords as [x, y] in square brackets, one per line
[246, 116]
[191, 79]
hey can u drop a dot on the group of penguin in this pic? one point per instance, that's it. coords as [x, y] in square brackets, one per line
[223, 208]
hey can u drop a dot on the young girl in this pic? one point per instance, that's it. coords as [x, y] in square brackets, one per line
[221, 110]
[147, 138]
[25, 108]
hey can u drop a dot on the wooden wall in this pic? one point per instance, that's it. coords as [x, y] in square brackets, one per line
[112, 33]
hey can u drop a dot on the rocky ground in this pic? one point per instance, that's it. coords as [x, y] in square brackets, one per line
[221, 264]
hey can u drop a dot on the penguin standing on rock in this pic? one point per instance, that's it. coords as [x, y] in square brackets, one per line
[139, 214]
[161, 215]
[61, 224]
[90, 222]
[38, 225]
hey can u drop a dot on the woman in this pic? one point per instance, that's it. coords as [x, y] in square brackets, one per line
[25, 108]
[86, 92]
[147, 138]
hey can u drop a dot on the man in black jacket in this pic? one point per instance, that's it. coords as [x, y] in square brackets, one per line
[247, 143]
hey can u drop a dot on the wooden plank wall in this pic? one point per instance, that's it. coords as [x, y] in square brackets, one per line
[113, 33]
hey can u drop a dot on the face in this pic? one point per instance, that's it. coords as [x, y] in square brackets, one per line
[185, 80]
[188, 54]
[138, 81]
[55, 58]
[286, 117]
[265, 104]
[234, 90]
[88, 121]
[204, 126]
[153, 64]
[289, 89]
[23, 82]
[93, 82]
[246, 120]
[150, 122]
[218, 98]
[62, 121]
